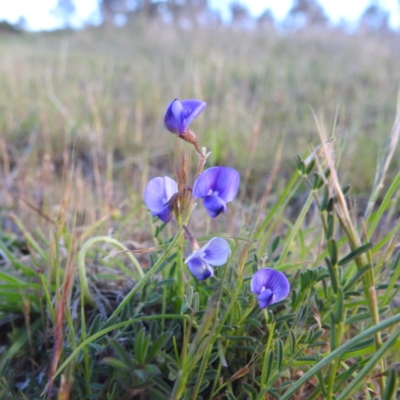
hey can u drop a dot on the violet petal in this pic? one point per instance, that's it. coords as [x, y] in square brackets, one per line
[220, 181]
[180, 114]
[214, 205]
[270, 279]
[199, 268]
[265, 298]
[165, 215]
[173, 119]
[191, 109]
[157, 194]
[216, 251]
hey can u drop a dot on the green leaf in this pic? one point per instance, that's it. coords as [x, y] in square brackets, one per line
[356, 277]
[165, 282]
[324, 201]
[196, 302]
[248, 349]
[244, 338]
[320, 376]
[270, 362]
[391, 386]
[140, 374]
[355, 253]
[204, 384]
[332, 332]
[161, 384]
[317, 181]
[285, 317]
[362, 345]
[157, 346]
[115, 363]
[339, 315]
[122, 354]
[332, 275]
[365, 315]
[275, 243]
[110, 322]
[279, 354]
[154, 394]
[230, 395]
[333, 251]
[342, 378]
[141, 345]
[249, 390]
[152, 369]
[20, 341]
[254, 322]
[292, 342]
[7, 278]
[174, 369]
[228, 328]
[330, 227]
[28, 271]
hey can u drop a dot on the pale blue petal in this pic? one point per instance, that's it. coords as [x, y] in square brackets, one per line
[214, 205]
[173, 119]
[165, 215]
[191, 109]
[216, 251]
[270, 279]
[199, 268]
[220, 181]
[265, 298]
[157, 194]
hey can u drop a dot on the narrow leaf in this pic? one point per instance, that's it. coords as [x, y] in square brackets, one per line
[355, 253]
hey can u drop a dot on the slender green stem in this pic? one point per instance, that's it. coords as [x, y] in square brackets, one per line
[202, 369]
[335, 365]
[270, 330]
[180, 284]
[296, 228]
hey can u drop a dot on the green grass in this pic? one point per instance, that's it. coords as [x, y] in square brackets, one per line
[82, 133]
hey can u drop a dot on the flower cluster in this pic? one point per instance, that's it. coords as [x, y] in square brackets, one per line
[216, 187]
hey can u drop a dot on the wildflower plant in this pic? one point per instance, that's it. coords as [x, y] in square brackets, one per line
[276, 307]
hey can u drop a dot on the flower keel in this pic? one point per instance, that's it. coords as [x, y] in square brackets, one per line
[270, 286]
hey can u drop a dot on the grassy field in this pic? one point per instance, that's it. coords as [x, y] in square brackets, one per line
[81, 134]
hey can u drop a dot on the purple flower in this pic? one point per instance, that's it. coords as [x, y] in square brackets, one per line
[216, 186]
[158, 197]
[216, 252]
[180, 115]
[270, 285]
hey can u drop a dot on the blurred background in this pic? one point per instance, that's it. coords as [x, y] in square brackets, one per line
[85, 84]
[53, 14]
